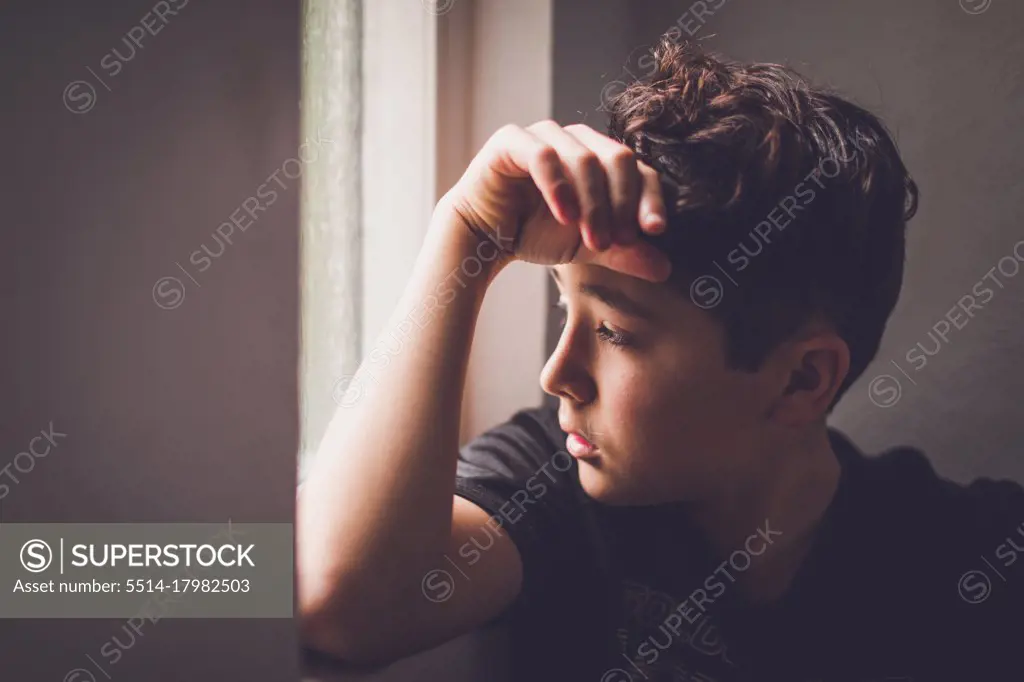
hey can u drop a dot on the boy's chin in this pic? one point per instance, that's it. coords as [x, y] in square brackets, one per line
[602, 487]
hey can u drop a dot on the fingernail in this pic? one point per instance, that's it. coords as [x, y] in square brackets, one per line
[654, 222]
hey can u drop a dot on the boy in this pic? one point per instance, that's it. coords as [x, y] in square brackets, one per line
[727, 258]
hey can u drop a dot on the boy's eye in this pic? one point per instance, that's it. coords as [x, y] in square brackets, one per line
[606, 333]
[611, 336]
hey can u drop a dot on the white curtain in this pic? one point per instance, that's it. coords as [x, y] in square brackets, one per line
[331, 216]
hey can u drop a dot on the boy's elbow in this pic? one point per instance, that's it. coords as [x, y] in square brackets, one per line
[323, 619]
[321, 630]
[343, 631]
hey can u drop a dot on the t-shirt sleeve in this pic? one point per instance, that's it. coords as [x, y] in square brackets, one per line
[519, 474]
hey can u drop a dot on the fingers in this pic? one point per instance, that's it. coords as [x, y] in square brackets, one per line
[634, 187]
[624, 180]
[590, 181]
[652, 204]
[595, 183]
[619, 195]
[524, 154]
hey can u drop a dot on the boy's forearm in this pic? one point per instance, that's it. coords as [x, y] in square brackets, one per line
[378, 497]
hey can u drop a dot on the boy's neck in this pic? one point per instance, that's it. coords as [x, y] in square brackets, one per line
[791, 499]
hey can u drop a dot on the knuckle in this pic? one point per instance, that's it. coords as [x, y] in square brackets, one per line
[646, 171]
[576, 127]
[623, 158]
[544, 124]
[506, 131]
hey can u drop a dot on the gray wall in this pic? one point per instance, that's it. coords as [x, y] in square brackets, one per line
[946, 79]
[186, 412]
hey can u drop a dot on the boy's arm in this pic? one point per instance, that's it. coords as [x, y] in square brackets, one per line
[377, 511]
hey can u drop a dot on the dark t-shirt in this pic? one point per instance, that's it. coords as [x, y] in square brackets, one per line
[910, 576]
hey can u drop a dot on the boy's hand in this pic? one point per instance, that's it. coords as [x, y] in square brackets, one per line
[549, 195]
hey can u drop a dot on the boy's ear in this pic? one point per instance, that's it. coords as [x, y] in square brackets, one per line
[814, 368]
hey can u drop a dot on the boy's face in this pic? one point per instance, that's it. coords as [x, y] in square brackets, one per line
[648, 385]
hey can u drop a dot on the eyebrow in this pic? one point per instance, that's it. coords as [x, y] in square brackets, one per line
[611, 297]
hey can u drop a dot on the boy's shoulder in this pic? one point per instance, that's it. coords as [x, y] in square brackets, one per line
[901, 504]
[903, 484]
[943, 561]
[961, 537]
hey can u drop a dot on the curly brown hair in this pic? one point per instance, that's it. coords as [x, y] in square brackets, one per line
[743, 147]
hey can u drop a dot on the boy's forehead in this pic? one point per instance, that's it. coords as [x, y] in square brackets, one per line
[654, 298]
[566, 273]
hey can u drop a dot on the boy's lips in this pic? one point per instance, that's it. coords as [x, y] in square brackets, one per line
[578, 445]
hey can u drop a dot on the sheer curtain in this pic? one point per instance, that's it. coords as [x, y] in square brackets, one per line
[331, 212]
[369, 87]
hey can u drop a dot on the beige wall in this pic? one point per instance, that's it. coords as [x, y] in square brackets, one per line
[503, 76]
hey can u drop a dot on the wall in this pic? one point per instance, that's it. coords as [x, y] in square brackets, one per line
[511, 82]
[178, 399]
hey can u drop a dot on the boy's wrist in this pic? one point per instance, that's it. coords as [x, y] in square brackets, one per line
[481, 255]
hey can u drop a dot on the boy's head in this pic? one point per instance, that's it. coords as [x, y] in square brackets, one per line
[787, 210]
